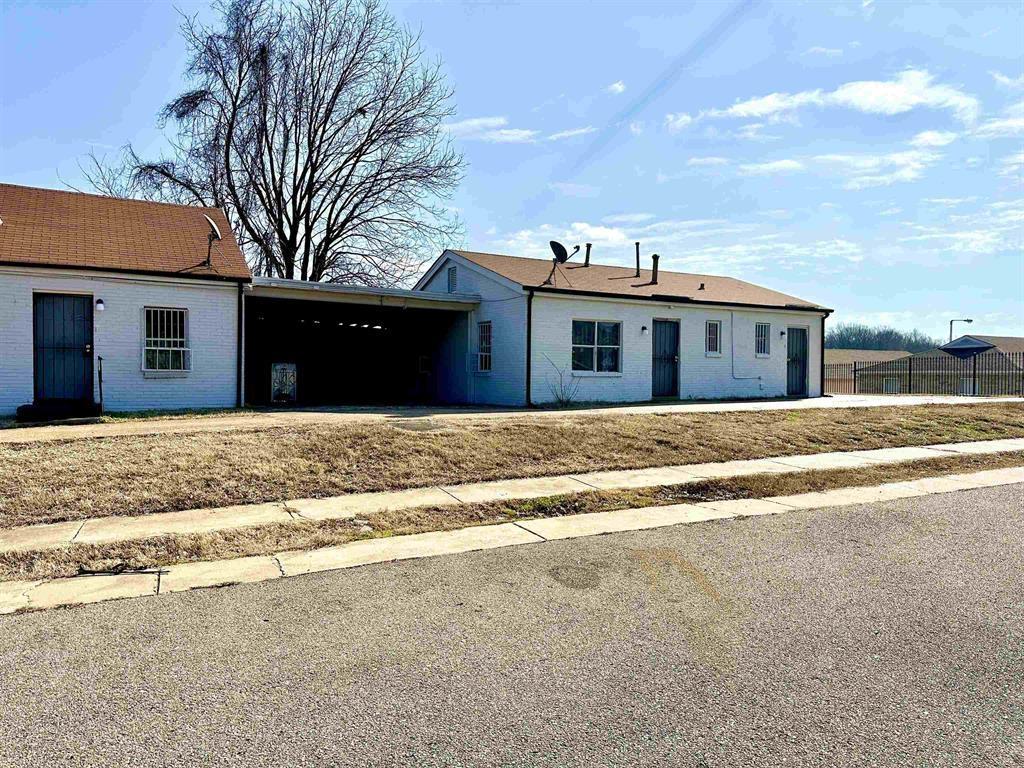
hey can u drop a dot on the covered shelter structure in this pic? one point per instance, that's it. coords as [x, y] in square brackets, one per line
[311, 343]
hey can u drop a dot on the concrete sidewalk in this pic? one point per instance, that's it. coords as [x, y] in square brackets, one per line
[38, 595]
[105, 530]
[326, 416]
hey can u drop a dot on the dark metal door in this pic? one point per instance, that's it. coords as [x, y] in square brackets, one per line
[665, 382]
[63, 347]
[796, 362]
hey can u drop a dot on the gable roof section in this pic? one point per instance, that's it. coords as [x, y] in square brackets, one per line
[54, 228]
[599, 279]
[1013, 344]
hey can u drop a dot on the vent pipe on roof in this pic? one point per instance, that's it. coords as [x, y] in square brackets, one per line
[586, 258]
[654, 273]
[637, 258]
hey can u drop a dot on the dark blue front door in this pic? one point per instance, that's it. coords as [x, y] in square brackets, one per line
[665, 374]
[796, 362]
[62, 327]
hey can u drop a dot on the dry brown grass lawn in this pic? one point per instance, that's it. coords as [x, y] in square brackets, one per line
[50, 482]
[265, 540]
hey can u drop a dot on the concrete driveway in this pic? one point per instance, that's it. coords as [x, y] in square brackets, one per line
[889, 634]
[279, 418]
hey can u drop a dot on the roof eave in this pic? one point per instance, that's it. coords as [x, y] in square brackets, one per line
[668, 299]
[126, 271]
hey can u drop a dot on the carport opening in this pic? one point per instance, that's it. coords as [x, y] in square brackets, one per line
[309, 352]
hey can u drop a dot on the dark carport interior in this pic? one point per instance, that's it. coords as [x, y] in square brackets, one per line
[323, 352]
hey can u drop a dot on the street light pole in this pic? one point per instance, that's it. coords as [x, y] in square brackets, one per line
[958, 320]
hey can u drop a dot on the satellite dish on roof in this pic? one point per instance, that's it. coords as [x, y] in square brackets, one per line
[561, 255]
[214, 229]
[214, 235]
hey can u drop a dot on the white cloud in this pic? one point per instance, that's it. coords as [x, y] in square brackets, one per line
[705, 161]
[890, 211]
[628, 218]
[909, 90]
[569, 189]
[636, 127]
[1012, 165]
[820, 51]
[617, 87]
[770, 105]
[949, 202]
[864, 171]
[1008, 82]
[771, 167]
[475, 125]
[490, 129]
[1001, 128]
[994, 228]
[933, 139]
[753, 132]
[676, 121]
[571, 133]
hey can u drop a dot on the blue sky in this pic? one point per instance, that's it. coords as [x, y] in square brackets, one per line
[865, 155]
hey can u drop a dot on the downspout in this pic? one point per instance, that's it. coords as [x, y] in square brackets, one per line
[529, 346]
[821, 357]
[732, 354]
[238, 346]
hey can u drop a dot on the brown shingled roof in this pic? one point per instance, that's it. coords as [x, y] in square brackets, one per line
[573, 277]
[54, 228]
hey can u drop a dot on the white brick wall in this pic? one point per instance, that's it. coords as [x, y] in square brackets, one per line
[505, 307]
[118, 337]
[700, 376]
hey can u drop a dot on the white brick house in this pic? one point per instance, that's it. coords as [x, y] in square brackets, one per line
[116, 298]
[134, 305]
[614, 334]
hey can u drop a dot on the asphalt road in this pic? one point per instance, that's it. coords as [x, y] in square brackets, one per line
[889, 635]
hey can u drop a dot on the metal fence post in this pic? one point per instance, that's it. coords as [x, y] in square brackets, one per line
[855, 377]
[974, 375]
[910, 375]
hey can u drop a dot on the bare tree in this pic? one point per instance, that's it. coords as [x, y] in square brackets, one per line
[319, 128]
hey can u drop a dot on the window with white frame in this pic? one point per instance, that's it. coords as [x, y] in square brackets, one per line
[166, 343]
[596, 346]
[483, 354]
[453, 279]
[713, 337]
[762, 339]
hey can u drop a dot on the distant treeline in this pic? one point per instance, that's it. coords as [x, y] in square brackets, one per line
[859, 336]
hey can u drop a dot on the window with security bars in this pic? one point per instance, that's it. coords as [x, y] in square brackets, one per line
[483, 355]
[762, 339]
[166, 347]
[713, 337]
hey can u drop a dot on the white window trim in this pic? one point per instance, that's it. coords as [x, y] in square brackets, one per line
[479, 348]
[707, 351]
[168, 373]
[768, 340]
[594, 373]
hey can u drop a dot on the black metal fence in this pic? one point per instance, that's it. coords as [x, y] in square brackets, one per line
[988, 374]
